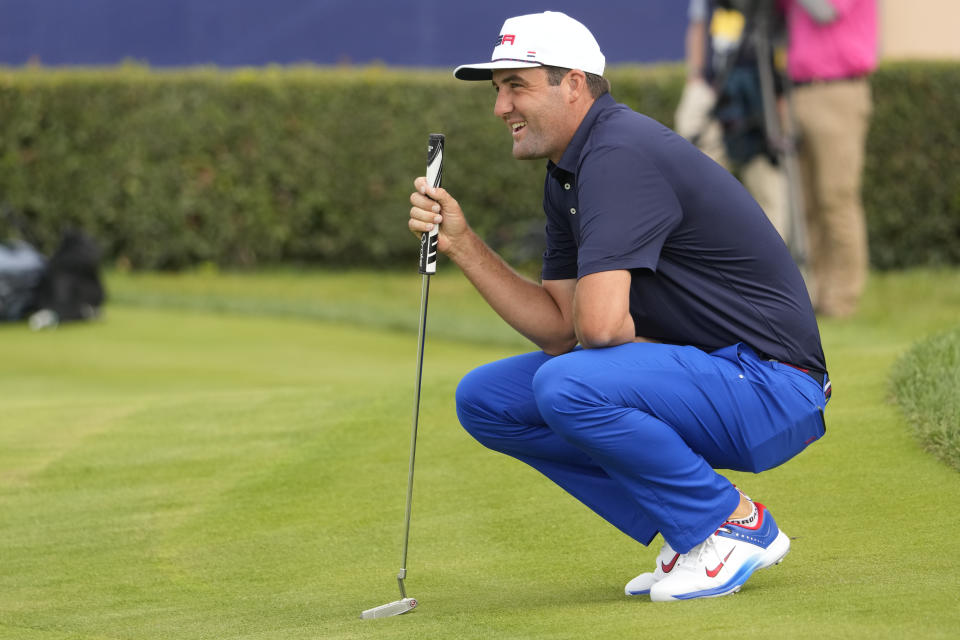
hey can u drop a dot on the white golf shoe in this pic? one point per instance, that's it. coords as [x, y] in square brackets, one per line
[723, 562]
[666, 561]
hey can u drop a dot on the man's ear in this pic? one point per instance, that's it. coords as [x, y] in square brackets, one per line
[576, 83]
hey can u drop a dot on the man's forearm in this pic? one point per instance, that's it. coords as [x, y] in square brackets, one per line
[523, 304]
[601, 309]
[696, 50]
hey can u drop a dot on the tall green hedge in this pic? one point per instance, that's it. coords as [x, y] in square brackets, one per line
[249, 167]
[912, 176]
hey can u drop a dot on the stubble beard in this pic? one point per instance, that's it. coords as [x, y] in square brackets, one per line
[531, 147]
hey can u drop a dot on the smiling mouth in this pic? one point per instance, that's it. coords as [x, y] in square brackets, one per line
[516, 127]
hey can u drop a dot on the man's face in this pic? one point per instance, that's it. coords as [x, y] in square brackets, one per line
[537, 113]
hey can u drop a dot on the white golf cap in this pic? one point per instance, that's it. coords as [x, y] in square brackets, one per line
[550, 38]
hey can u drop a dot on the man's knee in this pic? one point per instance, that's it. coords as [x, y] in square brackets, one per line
[487, 409]
[562, 394]
[472, 402]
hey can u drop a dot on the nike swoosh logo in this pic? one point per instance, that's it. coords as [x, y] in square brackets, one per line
[667, 568]
[712, 573]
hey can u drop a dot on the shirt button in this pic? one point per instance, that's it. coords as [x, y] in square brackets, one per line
[567, 186]
[573, 211]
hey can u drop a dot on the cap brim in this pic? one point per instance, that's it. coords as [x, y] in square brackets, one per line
[484, 70]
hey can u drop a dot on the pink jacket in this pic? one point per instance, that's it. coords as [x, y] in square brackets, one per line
[843, 48]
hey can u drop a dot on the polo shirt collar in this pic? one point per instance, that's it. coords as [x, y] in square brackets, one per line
[571, 155]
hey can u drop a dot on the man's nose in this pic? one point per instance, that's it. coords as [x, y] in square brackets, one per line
[503, 105]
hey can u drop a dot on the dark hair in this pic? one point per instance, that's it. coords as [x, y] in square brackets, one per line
[597, 85]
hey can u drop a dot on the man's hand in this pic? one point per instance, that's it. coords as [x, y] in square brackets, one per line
[695, 110]
[544, 314]
[433, 206]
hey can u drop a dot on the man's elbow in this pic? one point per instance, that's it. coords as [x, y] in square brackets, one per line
[559, 347]
[600, 336]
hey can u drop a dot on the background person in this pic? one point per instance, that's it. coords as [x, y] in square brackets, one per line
[721, 66]
[832, 49]
[685, 303]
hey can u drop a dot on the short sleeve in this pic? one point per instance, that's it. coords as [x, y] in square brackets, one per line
[627, 210]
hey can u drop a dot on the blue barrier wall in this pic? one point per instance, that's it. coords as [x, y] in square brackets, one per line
[422, 33]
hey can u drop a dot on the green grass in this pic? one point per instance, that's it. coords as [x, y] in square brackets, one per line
[925, 382]
[380, 300]
[224, 456]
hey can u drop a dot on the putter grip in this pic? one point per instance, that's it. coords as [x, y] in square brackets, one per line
[428, 241]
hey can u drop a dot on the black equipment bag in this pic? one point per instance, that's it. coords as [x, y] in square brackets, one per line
[70, 285]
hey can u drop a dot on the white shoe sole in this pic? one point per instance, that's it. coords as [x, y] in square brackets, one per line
[775, 553]
[770, 556]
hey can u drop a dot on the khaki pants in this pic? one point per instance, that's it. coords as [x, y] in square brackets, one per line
[832, 121]
[767, 183]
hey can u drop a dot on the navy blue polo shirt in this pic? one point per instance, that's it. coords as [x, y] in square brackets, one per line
[708, 268]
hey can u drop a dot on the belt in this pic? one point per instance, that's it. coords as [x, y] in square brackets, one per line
[816, 375]
[820, 376]
[849, 78]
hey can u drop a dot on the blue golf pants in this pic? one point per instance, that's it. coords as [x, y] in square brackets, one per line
[636, 431]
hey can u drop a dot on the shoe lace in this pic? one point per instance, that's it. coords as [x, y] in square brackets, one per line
[701, 553]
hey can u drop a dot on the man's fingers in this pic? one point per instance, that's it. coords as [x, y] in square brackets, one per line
[437, 194]
[424, 214]
[423, 202]
[418, 226]
[424, 209]
[427, 217]
[428, 205]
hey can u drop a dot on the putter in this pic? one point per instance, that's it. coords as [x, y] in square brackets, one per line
[428, 266]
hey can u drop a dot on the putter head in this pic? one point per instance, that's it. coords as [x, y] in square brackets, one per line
[390, 609]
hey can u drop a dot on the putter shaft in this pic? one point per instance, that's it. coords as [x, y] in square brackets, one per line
[424, 295]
